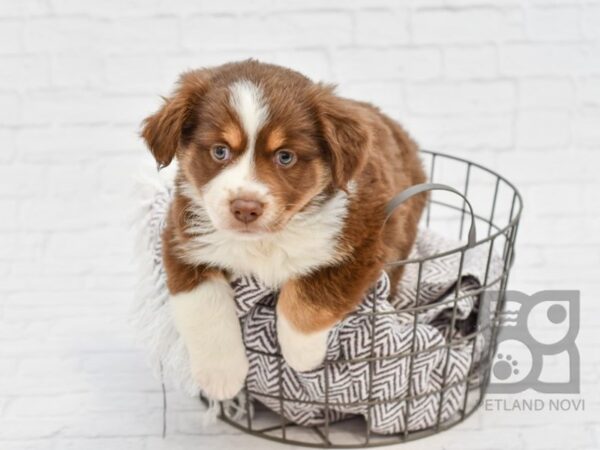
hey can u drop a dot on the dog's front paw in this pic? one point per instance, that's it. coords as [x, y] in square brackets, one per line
[302, 351]
[206, 320]
[223, 377]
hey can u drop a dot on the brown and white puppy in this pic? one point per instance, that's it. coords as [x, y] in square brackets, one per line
[281, 179]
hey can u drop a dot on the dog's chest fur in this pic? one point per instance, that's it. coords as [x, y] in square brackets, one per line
[309, 241]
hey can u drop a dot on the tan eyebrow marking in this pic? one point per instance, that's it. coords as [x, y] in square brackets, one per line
[233, 135]
[275, 139]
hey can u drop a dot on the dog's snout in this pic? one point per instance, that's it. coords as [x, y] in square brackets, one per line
[246, 211]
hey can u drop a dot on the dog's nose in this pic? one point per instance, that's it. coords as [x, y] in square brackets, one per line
[246, 211]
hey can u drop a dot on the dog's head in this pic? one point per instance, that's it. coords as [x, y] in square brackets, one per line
[257, 142]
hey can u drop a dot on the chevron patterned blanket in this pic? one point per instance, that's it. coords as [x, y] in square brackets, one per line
[404, 390]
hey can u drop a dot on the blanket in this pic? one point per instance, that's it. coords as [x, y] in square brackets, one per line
[398, 389]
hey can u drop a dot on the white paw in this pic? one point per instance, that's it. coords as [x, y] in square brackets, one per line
[206, 319]
[222, 378]
[302, 351]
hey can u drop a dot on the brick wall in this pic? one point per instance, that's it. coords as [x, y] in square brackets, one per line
[513, 85]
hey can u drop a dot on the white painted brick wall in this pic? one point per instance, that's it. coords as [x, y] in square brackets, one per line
[513, 85]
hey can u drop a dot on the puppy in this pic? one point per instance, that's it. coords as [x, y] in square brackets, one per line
[281, 179]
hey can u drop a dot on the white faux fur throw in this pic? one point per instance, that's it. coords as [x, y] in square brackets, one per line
[151, 314]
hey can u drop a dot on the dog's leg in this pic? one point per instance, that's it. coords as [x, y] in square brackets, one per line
[206, 319]
[309, 307]
[303, 346]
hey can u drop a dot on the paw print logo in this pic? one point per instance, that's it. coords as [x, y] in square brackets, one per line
[505, 367]
[536, 330]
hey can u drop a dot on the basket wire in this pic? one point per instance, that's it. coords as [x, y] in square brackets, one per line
[499, 233]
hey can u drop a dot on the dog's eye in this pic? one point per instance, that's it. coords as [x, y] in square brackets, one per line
[220, 152]
[285, 158]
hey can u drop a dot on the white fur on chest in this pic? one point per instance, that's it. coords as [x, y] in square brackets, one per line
[308, 241]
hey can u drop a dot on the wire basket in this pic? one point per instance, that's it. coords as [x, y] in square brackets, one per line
[497, 206]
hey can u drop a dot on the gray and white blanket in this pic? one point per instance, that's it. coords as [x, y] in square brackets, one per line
[344, 384]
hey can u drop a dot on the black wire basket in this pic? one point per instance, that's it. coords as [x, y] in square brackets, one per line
[494, 208]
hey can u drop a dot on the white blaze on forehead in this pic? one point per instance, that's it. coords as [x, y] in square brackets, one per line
[248, 102]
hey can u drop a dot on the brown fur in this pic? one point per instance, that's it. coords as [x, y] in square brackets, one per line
[320, 300]
[336, 140]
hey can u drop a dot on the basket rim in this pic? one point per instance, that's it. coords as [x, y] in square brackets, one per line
[517, 202]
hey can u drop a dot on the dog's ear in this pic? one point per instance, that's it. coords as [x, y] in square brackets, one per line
[345, 133]
[168, 128]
